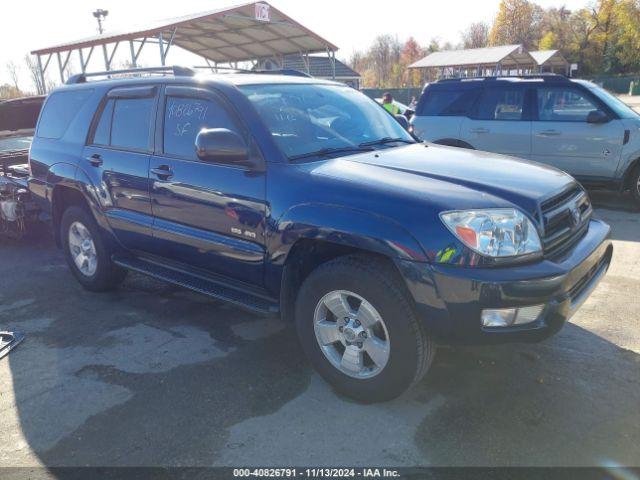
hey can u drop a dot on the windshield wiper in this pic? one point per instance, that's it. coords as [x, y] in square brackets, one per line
[385, 140]
[323, 152]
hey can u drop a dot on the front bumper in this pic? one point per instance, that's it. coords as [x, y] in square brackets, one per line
[450, 299]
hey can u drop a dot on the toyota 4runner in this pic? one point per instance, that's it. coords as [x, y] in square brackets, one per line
[304, 198]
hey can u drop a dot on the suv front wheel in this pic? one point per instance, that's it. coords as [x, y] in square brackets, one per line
[635, 185]
[359, 330]
[86, 252]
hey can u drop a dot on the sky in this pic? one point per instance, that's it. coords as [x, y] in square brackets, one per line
[350, 24]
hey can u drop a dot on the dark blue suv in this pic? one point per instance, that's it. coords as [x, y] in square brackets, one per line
[304, 198]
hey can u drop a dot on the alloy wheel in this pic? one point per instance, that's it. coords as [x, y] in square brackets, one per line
[351, 334]
[83, 249]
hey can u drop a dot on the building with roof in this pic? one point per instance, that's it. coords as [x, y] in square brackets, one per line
[490, 61]
[252, 32]
[551, 61]
[316, 66]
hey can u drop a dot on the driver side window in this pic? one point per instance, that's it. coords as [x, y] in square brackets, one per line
[185, 117]
[563, 105]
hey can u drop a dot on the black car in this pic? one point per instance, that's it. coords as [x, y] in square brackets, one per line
[303, 198]
[18, 119]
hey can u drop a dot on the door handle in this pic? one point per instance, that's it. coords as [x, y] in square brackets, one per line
[163, 172]
[479, 130]
[95, 160]
[550, 133]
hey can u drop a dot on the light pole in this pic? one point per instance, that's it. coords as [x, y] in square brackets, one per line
[100, 16]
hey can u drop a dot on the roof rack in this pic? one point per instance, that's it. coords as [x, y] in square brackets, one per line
[181, 72]
[547, 77]
[175, 70]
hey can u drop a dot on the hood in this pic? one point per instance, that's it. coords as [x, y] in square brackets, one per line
[454, 177]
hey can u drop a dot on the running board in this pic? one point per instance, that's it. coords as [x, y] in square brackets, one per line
[243, 299]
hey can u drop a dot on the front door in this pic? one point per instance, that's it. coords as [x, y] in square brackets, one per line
[563, 138]
[209, 216]
[500, 122]
[117, 160]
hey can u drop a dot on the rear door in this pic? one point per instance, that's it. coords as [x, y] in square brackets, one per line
[500, 121]
[209, 216]
[441, 111]
[118, 153]
[563, 138]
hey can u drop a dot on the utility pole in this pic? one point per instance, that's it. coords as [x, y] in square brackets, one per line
[100, 16]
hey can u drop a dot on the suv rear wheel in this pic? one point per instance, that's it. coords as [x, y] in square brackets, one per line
[86, 252]
[359, 329]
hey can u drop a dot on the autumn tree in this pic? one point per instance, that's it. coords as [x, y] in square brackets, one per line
[517, 22]
[411, 53]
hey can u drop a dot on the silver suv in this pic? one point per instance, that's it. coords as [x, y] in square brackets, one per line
[573, 125]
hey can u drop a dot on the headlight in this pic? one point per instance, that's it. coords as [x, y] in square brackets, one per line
[495, 233]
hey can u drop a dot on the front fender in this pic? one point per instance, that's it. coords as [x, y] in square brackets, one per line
[343, 226]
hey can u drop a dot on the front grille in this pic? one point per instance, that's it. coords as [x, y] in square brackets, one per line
[565, 220]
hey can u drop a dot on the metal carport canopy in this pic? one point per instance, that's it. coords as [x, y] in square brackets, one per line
[242, 33]
[507, 56]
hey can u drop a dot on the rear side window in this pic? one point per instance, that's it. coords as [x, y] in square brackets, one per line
[439, 102]
[131, 123]
[500, 104]
[59, 111]
[185, 117]
[125, 123]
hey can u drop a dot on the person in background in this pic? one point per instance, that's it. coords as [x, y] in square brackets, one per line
[413, 104]
[389, 105]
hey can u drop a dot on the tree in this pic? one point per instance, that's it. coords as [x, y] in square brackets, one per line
[549, 41]
[411, 53]
[476, 35]
[34, 73]
[629, 35]
[517, 22]
[12, 71]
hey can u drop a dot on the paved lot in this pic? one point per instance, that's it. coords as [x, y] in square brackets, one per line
[154, 375]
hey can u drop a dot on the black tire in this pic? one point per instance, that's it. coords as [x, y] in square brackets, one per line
[411, 349]
[107, 275]
[635, 185]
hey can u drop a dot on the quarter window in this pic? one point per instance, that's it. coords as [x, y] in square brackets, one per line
[59, 111]
[501, 104]
[185, 117]
[563, 105]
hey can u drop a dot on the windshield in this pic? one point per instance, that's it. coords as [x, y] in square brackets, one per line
[304, 119]
[617, 105]
[14, 143]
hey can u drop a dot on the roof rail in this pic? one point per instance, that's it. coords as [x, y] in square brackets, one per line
[547, 77]
[281, 71]
[175, 70]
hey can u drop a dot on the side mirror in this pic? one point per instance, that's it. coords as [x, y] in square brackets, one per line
[220, 145]
[402, 120]
[597, 116]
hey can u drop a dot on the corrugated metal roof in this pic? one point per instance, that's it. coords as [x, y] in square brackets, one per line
[232, 34]
[548, 57]
[319, 67]
[508, 55]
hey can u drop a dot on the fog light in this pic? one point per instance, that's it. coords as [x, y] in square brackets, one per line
[508, 317]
